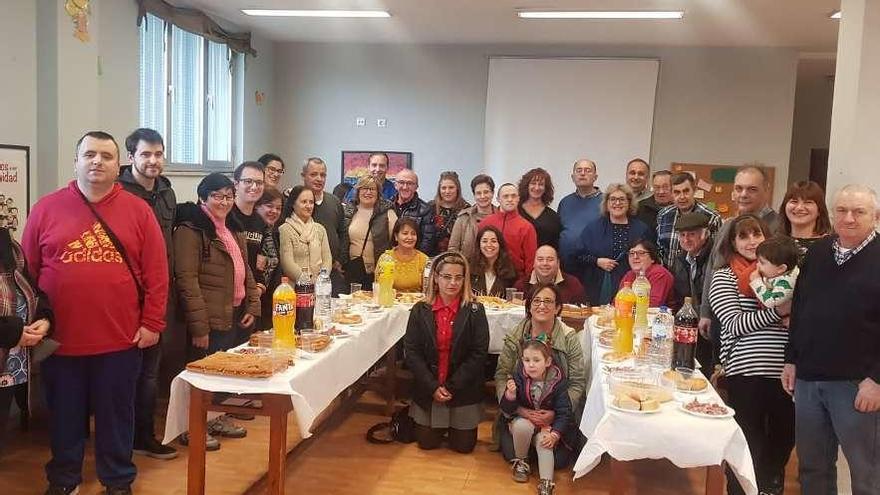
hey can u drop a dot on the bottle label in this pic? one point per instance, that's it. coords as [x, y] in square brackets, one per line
[685, 335]
[305, 300]
[282, 308]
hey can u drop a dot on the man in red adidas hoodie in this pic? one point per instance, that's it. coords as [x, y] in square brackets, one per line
[519, 234]
[109, 303]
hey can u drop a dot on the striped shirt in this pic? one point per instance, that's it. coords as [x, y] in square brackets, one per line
[753, 339]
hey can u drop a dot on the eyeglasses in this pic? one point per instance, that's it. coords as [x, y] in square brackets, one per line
[275, 170]
[617, 200]
[452, 278]
[252, 182]
[222, 197]
[635, 252]
[369, 189]
[548, 303]
[405, 182]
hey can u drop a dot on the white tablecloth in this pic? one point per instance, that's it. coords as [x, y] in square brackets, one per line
[686, 440]
[500, 322]
[312, 383]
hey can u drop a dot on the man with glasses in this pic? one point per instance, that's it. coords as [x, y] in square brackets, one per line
[683, 189]
[250, 180]
[661, 197]
[329, 213]
[407, 203]
[578, 209]
[274, 168]
[547, 271]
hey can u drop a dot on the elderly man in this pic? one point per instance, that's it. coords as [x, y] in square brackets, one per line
[547, 270]
[833, 354]
[519, 234]
[378, 168]
[683, 188]
[328, 212]
[578, 208]
[661, 197]
[689, 270]
[407, 203]
[637, 171]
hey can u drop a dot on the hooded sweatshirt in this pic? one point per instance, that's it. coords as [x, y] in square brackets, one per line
[519, 237]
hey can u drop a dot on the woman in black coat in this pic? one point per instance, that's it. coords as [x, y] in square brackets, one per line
[447, 340]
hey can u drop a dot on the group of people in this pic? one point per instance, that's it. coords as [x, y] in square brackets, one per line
[781, 296]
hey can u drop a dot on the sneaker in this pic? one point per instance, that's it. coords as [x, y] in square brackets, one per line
[118, 490]
[152, 448]
[521, 470]
[211, 443]
[62, 490]
[546, 487]
[222, 426]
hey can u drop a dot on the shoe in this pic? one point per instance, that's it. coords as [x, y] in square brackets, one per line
[242, 417]
[546, 487]
[521, 470]
[62, 490]
[152, 448]
[223, 426]
[211, 443]
[118, 490]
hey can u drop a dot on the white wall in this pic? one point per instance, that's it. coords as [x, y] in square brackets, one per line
[18, 84]
[812, 114]
[714, 105]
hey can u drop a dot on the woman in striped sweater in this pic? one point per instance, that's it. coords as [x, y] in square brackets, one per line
[753, 341]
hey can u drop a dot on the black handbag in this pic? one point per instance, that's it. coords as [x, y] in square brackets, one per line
[355, 269]
[401, 429]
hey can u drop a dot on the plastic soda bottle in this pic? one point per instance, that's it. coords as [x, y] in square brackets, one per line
[624, 318]
[642, 288]
[284, 315]
[385, 278]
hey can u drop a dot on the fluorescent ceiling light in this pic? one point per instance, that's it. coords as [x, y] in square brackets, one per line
[601, 14]
[835, 14]
[317, 13]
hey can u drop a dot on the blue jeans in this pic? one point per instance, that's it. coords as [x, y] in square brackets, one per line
[108, 382]
[826, 417]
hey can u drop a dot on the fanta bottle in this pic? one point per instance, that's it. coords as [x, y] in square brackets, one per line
[624, 317]
[284, 315]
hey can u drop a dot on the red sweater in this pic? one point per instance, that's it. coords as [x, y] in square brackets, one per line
[88, 285]
[519, 237]
[661, 281]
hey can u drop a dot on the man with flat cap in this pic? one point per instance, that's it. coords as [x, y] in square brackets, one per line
[689, 267]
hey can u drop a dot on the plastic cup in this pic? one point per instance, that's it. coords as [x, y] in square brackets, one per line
[355, 287]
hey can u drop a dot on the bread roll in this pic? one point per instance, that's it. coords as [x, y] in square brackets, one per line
[650, 405]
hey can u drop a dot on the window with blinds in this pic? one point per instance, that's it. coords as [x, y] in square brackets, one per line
[186, 95]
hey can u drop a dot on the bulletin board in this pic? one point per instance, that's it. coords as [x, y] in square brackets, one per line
[715, 184]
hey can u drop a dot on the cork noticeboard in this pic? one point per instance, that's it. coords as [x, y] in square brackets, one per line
[715, 184]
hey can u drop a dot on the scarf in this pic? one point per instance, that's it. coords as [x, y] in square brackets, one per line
[238, 268]
[742, 268]
[308, 234]
[305, 231]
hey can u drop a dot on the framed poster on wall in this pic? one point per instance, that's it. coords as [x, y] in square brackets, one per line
[14, 187]
[355, 164]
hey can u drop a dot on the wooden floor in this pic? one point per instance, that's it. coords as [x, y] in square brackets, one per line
[339, 461]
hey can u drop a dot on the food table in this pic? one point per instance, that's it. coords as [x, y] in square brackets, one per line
[686, 440]
[306, 388]
[500, 322]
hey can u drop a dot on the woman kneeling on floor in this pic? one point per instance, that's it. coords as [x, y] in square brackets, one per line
[538, 385]
[447, 339]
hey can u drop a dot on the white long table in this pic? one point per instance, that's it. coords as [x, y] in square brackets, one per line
[500, 322]
[687, 441]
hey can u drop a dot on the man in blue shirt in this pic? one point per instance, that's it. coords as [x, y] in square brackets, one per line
[378, 167]
[578, 209]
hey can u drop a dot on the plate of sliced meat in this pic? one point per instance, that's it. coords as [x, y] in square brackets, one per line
[712, 410]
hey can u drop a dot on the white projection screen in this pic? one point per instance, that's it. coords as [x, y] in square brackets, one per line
[548, 112]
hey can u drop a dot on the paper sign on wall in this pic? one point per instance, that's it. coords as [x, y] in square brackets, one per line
[701, 184]
[699, 194]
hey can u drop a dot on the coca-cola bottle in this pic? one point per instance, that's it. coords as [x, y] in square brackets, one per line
[305, 301]
[684, 334]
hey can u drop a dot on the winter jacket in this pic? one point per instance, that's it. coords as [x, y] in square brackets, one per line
[554, 397]
[470, 345]
[161, 199]
[204, 273]
[419, 211]
[331, 215]
[464, 232]
[596, 240]
[303, 245]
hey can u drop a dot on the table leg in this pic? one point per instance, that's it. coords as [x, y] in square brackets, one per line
[390, 379]
[715, 480]
[277, 440]
[619, 477]
[195, 475]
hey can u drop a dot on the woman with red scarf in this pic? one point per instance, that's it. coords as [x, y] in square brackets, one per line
[753, 340]
[447, 340]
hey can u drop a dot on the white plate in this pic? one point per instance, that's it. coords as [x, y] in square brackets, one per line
[630, 411]
[692, 392]
[730, 413]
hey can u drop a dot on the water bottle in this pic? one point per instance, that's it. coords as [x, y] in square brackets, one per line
[426, 280]
[323, 289]
[661, 344]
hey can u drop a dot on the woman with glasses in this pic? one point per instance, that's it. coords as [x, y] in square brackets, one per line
[446, 206]
[216, 289]
[304, 244]
[493, 270]
[274, 168]
[447, 340]
[369, 220]
[603, 259]
[269, 209]
[543, 306]
[643, 256]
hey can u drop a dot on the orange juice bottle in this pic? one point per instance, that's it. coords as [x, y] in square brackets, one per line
[624, 317]
[284, 315]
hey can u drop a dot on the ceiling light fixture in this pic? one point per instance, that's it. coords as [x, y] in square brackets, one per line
[835, 14]
[601, 14]
[318, 13]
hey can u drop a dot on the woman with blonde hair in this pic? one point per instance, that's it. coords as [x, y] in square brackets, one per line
[369, 220]
[605, 243]
[447, 341]
[446, 206]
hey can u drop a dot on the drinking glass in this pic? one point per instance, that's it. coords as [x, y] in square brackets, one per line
[355, 287]
[518, 297]
[509, 293]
